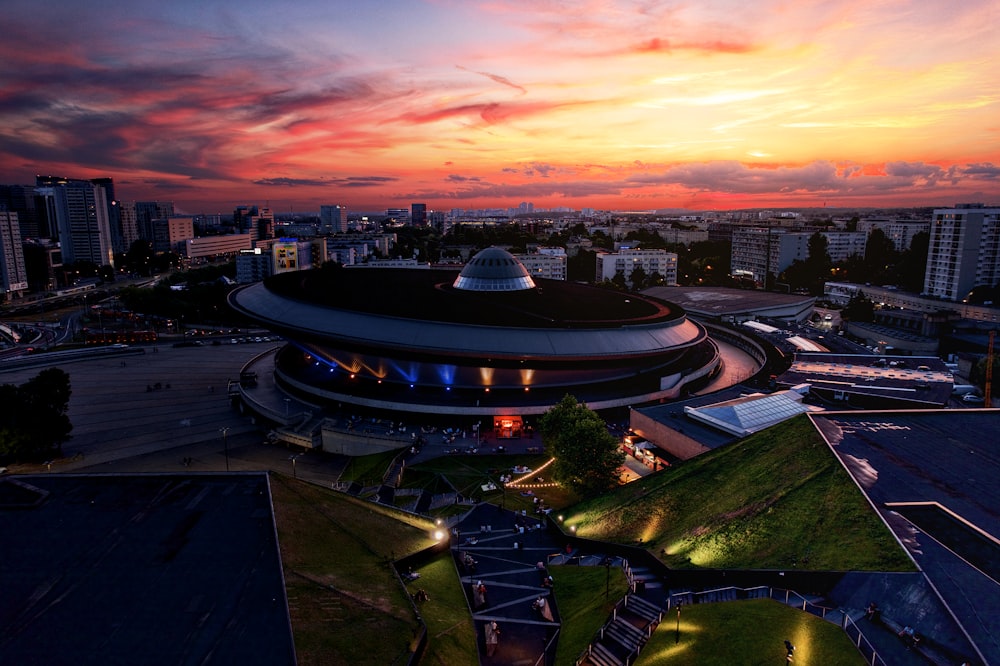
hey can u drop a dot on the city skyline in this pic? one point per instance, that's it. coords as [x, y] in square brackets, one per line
[606, 105]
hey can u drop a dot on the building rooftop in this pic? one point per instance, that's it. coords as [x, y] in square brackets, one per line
[168, 569]
[429, 295]
[934, 476]
[921, 380]
[748, 414]
[720, 302]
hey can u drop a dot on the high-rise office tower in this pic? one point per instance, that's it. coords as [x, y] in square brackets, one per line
[79, 209]
[964, 250]
[114, 218]
[130, 223]
[418, 214]
[13, 275]
[332, 219]
[153, 210]
[20, 199]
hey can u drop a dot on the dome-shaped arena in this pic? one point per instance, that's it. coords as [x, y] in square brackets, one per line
[486, 341]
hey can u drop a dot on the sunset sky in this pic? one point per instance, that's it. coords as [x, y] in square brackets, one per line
[705, 104]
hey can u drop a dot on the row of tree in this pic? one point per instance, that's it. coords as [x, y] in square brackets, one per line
[881, 264]
[33, 420]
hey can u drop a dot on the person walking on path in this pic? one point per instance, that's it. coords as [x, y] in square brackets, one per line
[492, 637]
[543, 609]
[478, 595]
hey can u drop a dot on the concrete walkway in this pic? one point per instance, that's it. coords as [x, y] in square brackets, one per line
[506, 561]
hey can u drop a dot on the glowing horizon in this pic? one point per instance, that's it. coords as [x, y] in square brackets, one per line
[599, 104]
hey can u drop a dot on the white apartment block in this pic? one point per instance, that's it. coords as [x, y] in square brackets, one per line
[757, 251]
[217, 246]
[344, 255]
[841, 244]
[964, 250]
[391, 263]
[13, 274]
[626, 260]
[253, 266]
[550, 266]
[900, 232]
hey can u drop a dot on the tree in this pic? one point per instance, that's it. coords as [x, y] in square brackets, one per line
[33, 420]
[913, 263]
[860, 309]
[582, 267]
[587, 456]
[638, 278]
[880, 257]
[45, 399]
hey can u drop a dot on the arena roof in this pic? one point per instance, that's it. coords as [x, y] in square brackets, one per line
[428, 295]
[494, 269]
[419, 311]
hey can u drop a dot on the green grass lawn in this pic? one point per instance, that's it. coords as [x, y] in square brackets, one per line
[777, 499]
[583, 606]
[345, 601]
[451, 636]
[368, 470]
[747, 633]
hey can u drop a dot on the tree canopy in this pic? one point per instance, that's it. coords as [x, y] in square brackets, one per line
[33, 420]
[587, 456]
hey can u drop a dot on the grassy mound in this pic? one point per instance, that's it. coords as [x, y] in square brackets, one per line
[345, 602]
[747, 632]
[778, 499]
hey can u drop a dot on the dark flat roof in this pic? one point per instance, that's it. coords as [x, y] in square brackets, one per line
[721, 301]
[947, 457]
[862, 375]
[427, 295]
[146, 569]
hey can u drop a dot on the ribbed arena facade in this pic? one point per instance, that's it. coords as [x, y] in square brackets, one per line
[488, 341]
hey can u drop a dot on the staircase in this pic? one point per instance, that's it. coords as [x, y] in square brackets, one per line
[623, 637]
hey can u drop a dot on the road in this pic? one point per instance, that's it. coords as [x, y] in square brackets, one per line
[118, 415]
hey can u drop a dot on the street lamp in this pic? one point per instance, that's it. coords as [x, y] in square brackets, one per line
[678, 636]
[225, 444]
[293, 458]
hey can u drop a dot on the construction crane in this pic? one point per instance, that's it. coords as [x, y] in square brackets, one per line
[987, 398]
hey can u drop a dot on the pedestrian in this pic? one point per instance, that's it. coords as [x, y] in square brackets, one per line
[492, 637]
[479, 595]
[543, 609]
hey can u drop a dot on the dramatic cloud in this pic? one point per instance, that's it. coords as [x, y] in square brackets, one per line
[605, 103]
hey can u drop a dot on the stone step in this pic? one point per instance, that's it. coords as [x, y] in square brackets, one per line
[625, 635]
[602, 656]
[644, 609]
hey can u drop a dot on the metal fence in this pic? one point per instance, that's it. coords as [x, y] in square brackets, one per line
[789, 598]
